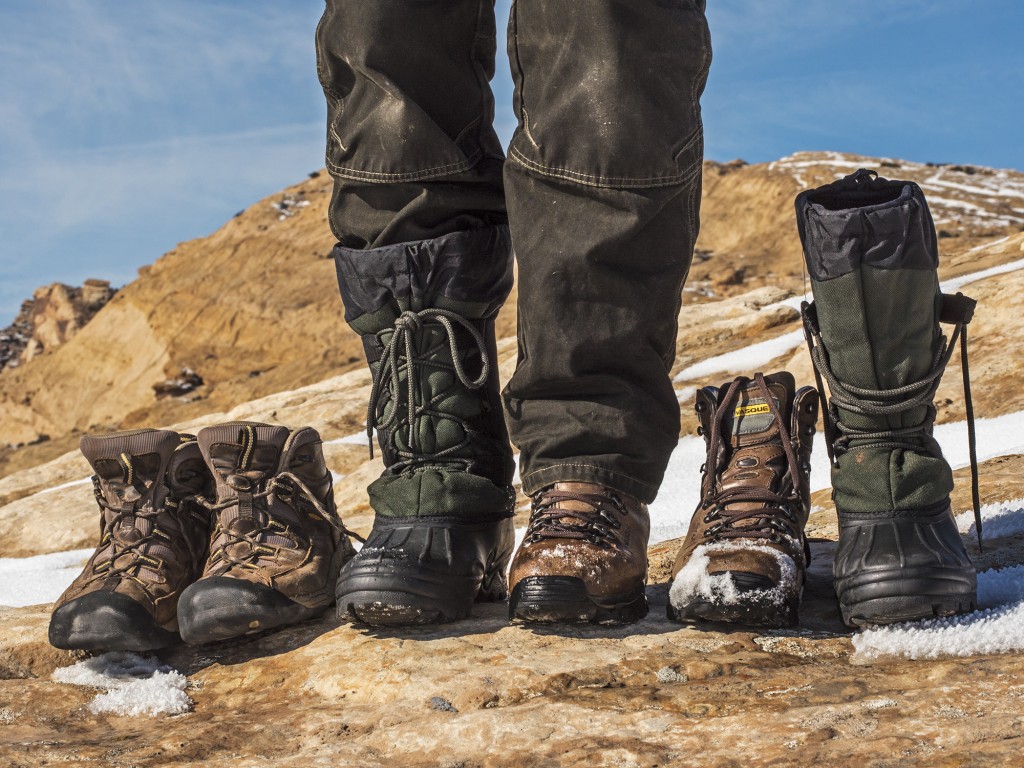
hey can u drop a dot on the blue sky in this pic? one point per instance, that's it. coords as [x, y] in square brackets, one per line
[128, 127]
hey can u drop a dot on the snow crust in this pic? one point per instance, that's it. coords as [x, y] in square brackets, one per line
[997, 628]
[132, 685]
[39, 579]
[1005, 518]
[695, 582]
[748, 358]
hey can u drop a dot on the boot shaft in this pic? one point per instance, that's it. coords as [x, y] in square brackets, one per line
[425, 311]
[146, 482]
[748, 453]
[870, 248]
[255, 467]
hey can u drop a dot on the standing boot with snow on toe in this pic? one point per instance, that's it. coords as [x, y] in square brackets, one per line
[276, 543]
[874, 336]
[152, 543]
[442, 533]
[583, 559]
[745, 553]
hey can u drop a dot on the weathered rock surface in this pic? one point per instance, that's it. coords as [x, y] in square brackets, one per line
[483, 693]
[53, 315]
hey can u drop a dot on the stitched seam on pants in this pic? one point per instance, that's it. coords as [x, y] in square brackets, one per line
[603, 181]
[440, 170]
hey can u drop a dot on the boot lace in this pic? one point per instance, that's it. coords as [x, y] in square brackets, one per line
[596, 525]
[957, 310]
[289, 489]
[778, 518]
[400, 357]
[129, 509]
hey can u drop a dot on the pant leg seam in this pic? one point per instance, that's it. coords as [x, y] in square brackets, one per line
[383, 177]
[577, 465]
[604, 181]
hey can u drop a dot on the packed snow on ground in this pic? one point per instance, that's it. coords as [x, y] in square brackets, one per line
[131, 684]
[748, 359]
[998, 520]
[39, 579]
[695, 581]
[954, 284]
[997, 628]
[359, 438]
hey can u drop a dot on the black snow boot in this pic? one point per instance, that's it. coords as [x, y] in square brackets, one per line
[443, 535]
[874, 336]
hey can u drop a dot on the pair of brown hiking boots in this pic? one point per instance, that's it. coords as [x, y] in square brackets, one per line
[227, 533]
[584, 555]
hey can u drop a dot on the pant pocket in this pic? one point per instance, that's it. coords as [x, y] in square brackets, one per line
[406, 87]
[609, 97]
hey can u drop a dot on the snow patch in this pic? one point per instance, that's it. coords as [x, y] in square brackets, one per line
[998, 628]
[954, 284]
[1005, 518]
[695, 581]
[133, 685]
[38, 579]
[62, 486]
[748, 359]
[359, 438]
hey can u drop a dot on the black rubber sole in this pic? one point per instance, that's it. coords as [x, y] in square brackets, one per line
[221, 608]
[417, 571]
[401, 598]
[898, 596]
[752, 610]
[565, 600]
[106, 621]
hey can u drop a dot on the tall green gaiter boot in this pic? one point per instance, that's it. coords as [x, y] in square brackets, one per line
[443, 534]
[874, 335]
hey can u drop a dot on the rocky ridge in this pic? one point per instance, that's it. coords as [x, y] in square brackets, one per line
[53, 315]
[482, 693]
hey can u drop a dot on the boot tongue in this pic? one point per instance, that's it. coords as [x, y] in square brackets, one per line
[248, 451]
[131, 467]
[572, 505]
[749, 420]
[242, 456]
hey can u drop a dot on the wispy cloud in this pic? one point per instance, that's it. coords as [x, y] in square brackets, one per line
[126, 129]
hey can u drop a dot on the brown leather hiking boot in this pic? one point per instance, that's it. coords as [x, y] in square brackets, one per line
[583, 559]
[277, 542]
[744, 556]
[152, 543]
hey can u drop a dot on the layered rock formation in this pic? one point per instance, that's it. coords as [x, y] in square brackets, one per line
[53, 315]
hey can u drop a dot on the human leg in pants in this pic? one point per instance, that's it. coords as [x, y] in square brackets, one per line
[603, 189]
[424, 263]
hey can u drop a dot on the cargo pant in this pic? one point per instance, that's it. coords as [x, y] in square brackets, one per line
[600, 190]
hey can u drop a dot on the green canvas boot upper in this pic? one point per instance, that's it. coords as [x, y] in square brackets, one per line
[874, 335]
[871, 253]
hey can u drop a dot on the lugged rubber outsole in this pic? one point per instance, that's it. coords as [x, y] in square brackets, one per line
[890, 598]
[565, 600]
[398, 600]
[753, 609]
[106, 621]
[221, 608]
